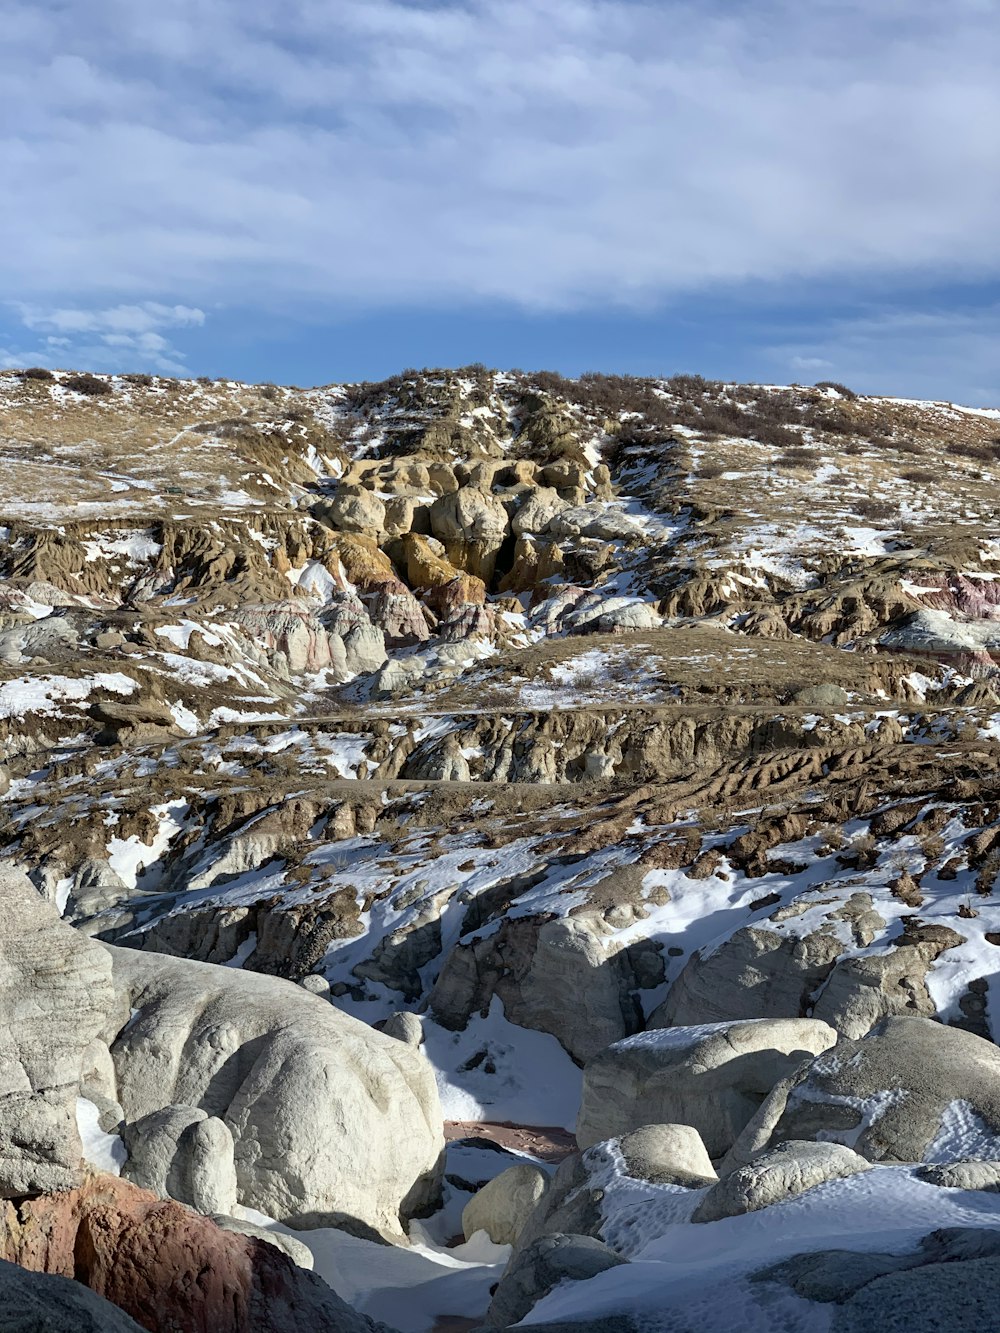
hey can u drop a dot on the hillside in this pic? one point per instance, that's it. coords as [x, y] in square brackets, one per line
[554, 713]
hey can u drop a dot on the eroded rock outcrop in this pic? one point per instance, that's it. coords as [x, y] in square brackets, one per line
[55, 994]
[713, 1077]
[165, 1266]
[331, 1121]
[913, 1090]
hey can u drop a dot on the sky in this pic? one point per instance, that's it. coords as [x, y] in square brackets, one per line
[323, 190]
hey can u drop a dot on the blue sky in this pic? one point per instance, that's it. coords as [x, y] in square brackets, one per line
[336, 189]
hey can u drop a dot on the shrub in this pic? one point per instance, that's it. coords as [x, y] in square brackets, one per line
[982, 453]
[842, 389]
[268, 391]
[37, 373]
[879, 510]
[143, 381]
[797, 458]
[89, 385]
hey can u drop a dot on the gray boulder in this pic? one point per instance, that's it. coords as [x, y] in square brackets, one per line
[713, 1077]
[331, 1121]
[538, 510]
[971, 1175]
[469, 515]
[504, 1204]
[533, 964]
[913, 1090]
[534, 1271]
[777, 970]
[405, 1027]
[785, 1171]
[55, 993]
[355, 509]
[44, 1303]
[957, 1297]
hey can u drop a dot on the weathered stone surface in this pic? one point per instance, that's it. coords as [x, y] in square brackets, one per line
[355, 509]
[568, 1205]
[405, 1027]
[971, 1175]
[166, 1266]
[763, 973]
[55, 992]
[504, 1204]
[912, 1090]
[42, 1303]
[469, 515]
[667, 1155]
[330, 1119]
[532, 965]
[297, 1251]
[537, 511]
[712, 1077]
[787, 1170]
[182, 1153]
[534, 1271]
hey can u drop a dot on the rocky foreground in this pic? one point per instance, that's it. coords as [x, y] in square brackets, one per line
[488, 847]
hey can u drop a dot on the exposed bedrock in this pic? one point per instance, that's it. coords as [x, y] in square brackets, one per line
[713, 1077]
[331, 1121]
[534, 964]
[41, 1303]
[165, 1266]
[913, 1090]
[55, 994]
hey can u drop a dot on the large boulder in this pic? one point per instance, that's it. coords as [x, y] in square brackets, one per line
[355, 509]
[472, 525]
[781, 969]
[55, 994]
[952, 1281]
[469, 515]
[504, 1204]
[787, 1170]
[165, 1266]
[539, 508]
[43, 1303]
[713, 1077]
[532, 964]
[913, 1090]
[667, 1155]
[534, 1271]
[332, 1122]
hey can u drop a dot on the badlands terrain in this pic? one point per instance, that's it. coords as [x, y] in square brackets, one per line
[482, 848]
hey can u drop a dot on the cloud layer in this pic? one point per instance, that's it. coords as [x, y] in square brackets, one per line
[553, 154]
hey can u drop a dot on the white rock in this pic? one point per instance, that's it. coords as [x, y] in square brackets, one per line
[330, 1119]
[505, 1203]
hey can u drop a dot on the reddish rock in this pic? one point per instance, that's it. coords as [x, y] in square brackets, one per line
[167, 1266]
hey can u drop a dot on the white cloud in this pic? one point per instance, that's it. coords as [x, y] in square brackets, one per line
[553, 153]
[122, 337]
